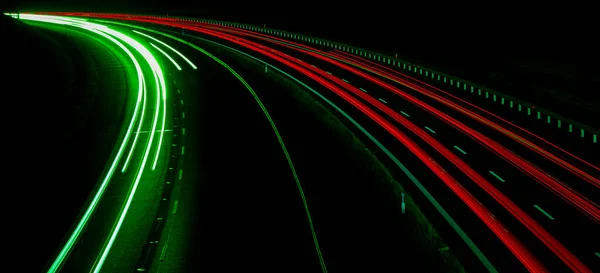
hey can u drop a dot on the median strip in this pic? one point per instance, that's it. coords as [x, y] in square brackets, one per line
[111, 35]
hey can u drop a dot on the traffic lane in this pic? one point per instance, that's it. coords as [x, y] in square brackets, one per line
[247, 210]
[552, 171]
[143, 215]
[359, 226]
[177, 231]
[382, 98]
[136, 229]
[561, 173]
[486, 238]
[563, 176]
[541, 128]
[425, 98]
[217, 27]
[505, 106]
[536, 206]
[108, 109]
[172, 251]
[552, 131]
[574, 228]
[478, 227]
[94, 236]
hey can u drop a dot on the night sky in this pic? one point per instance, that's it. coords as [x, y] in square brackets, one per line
[487, 33]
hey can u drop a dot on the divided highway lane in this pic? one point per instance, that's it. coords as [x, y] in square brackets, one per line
[461, 151]
[137, 228]
[537, 207]
[564, 222]
[127, 188]
[575, 230]
[224, 220]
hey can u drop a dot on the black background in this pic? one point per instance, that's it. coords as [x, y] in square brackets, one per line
[484, 32]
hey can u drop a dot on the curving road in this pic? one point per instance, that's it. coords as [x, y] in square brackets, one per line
[525, 203]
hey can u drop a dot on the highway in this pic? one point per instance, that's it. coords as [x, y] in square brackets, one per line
[528, 205]
[142, 142]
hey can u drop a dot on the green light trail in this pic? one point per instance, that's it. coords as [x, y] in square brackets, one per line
[169, 47]
[160, 83]
[440, 209]
[156, 69]
[288, 158]
[167, 55]
[271, 122]
[137, 133]
[160, 86]
[58, 262]
[462, 234]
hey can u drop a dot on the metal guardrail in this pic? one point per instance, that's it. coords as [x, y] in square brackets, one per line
[433, 76]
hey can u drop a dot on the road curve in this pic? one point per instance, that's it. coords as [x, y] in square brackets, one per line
[535, 199]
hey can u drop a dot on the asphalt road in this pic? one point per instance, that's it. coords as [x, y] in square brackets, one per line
[235, 203]
[562, 220]
[88, 249]
[237, 185]
[240, 209]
